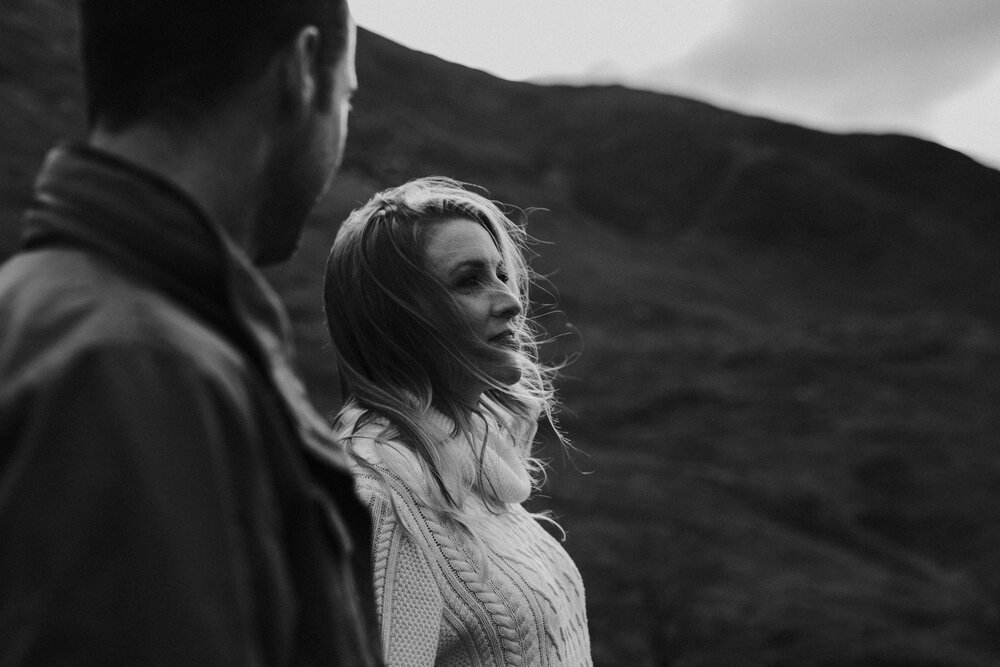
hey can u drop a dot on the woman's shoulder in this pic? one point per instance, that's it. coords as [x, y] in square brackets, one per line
[378, 458]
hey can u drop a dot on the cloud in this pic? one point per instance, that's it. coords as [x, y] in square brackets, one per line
[841, 59]
[970, 121]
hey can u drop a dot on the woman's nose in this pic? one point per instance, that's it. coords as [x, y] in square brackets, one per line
[505, 305]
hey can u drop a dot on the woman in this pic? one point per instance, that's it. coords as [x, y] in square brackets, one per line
[426, 294]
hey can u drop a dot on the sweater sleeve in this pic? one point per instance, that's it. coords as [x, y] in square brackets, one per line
[409, 599]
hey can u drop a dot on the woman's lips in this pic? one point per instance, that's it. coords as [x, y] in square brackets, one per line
[505, 339]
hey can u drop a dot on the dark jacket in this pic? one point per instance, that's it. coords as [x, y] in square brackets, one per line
[167, 493]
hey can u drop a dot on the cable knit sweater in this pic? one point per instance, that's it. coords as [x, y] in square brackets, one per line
[435, 607]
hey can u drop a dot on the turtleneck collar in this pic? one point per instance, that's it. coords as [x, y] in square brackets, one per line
[505, 477]
[502, 470]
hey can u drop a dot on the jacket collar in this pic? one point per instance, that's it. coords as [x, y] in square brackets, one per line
[156, 232]
[84, 196]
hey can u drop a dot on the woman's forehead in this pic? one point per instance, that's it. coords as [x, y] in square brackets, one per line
[457, 240]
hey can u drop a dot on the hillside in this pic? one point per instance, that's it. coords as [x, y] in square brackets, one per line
[787, 344]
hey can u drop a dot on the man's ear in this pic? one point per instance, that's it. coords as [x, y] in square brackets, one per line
[302, 68]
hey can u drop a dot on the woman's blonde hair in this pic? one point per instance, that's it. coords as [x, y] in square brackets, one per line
[401, 343]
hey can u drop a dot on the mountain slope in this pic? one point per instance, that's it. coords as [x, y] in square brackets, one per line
[786, 391]
[665, 166]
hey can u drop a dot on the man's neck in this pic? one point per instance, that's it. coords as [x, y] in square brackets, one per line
[219, 166]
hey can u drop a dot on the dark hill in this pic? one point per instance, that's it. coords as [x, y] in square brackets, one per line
[662, 166]
[789, 363]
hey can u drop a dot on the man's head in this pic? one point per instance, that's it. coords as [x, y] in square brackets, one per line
[307, 146]
[285, 66]
[174, 60]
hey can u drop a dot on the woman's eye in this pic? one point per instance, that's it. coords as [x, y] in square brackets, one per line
[469, 281]
[479, 279]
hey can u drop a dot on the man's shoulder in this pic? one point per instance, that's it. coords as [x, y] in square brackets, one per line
[59, 303]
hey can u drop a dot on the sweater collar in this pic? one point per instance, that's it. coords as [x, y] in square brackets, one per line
[503, 472]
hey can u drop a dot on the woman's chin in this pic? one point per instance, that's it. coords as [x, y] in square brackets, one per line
[507, 374]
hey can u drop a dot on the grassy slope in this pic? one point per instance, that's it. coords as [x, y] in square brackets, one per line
[779, 482]
[788, 416]
[778, 473]
[787, 390]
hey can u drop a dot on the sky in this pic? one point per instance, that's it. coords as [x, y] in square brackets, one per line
[930, 68]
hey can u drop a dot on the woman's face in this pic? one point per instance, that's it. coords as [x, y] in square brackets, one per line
[461, 254]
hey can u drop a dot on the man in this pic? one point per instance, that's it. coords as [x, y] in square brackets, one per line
[167, 494]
